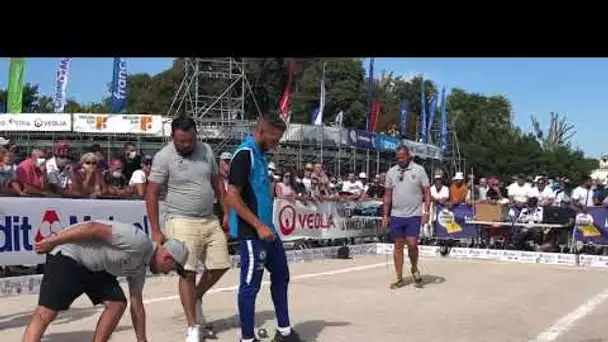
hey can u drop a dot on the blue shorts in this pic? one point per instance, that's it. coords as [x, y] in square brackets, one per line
[402, 227]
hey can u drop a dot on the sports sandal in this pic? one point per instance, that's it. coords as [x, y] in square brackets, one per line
[398, 284]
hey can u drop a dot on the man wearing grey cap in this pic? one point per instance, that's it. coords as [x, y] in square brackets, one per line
[86, 258]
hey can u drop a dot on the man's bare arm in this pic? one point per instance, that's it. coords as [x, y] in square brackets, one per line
[85, 231]
[220, 192]
[138, 317]
[152, 197]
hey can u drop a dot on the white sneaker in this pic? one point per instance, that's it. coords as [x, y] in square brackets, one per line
[194, 334]
[200, 319]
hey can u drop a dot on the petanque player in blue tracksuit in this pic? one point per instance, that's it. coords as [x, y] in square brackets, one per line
[250, 199]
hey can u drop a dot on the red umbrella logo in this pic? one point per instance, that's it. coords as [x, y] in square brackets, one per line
[48, 226]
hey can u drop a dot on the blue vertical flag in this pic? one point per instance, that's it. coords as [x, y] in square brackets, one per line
[432, 110]
[370, 96]
[119, 85]
[422, 111]
[403, 108]
[444, 122]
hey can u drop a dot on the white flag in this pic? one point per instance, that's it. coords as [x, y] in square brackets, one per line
[319, 117]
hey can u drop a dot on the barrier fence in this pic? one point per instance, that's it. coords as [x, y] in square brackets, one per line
[26, 220]
[459, 223]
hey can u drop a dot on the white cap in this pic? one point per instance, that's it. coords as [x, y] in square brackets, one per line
[362, 175]
[272, 166]
[225, 156]
[458, 176]
[4, 142]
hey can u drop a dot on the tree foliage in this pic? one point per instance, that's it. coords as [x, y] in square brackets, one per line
[483, 124]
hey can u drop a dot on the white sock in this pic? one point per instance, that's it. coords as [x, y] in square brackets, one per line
[284, 331]
[249, 340]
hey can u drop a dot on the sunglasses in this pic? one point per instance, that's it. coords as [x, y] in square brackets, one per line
[401, 172]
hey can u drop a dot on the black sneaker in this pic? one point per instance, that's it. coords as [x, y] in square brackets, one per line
[292, 337]
[398, 284]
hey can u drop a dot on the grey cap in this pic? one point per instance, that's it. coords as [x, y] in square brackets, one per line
[179, 252]
[225, 156]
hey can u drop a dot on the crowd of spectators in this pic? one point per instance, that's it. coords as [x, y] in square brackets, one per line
[60, 173]
[57, 173]
[529, 199]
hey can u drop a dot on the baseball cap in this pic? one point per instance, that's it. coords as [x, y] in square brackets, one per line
[179, 252]
[4, 141]
[147, 159]
[226, 156]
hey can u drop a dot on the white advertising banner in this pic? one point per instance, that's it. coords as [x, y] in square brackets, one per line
[325, 220]
[119, 123]
[36, 122]
[24, 220]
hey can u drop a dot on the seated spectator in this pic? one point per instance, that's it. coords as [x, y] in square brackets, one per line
[287, 187]
[224, 168]
[532, 212]
[440, 194]
[58, 170]
[375, 189]
[31, 174]
[116, 180]
[519, 191]
[334, 185]
[139, 178]
[542, 192]
[320, 173]
[60, 155]
[8, 174]
[131, 161]
[87, 180]
[458, 190]
[352, 188]
[496, 192]
[103, 164]
[582, 196]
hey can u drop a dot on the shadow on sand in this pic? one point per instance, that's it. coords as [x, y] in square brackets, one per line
[21, 319]
[77, 336]
[427, 279]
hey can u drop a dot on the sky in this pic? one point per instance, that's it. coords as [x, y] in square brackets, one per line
[535, 86]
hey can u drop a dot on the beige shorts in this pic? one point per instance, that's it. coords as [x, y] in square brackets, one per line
[205, 240]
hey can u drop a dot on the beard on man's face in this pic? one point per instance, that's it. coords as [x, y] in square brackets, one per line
[185, 152]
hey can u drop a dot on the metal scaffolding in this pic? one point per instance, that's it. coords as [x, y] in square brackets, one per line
[212, 90]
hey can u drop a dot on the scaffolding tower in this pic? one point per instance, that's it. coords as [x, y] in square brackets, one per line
[212, 90]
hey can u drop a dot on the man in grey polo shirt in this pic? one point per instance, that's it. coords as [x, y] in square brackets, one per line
[187, 169]
[87, 258]
[407, 185]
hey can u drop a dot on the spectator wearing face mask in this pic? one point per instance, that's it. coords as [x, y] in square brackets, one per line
[131, 161]
[58, 170]
[31, 174]
[87, 180]
[8, 174]
[139, 178]
[116, 180]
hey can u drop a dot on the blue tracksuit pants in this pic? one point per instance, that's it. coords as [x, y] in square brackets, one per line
[255, 256]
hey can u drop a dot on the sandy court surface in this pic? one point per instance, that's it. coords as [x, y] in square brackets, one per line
[349, 300]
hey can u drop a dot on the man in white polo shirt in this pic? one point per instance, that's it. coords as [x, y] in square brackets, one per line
[519, 192]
